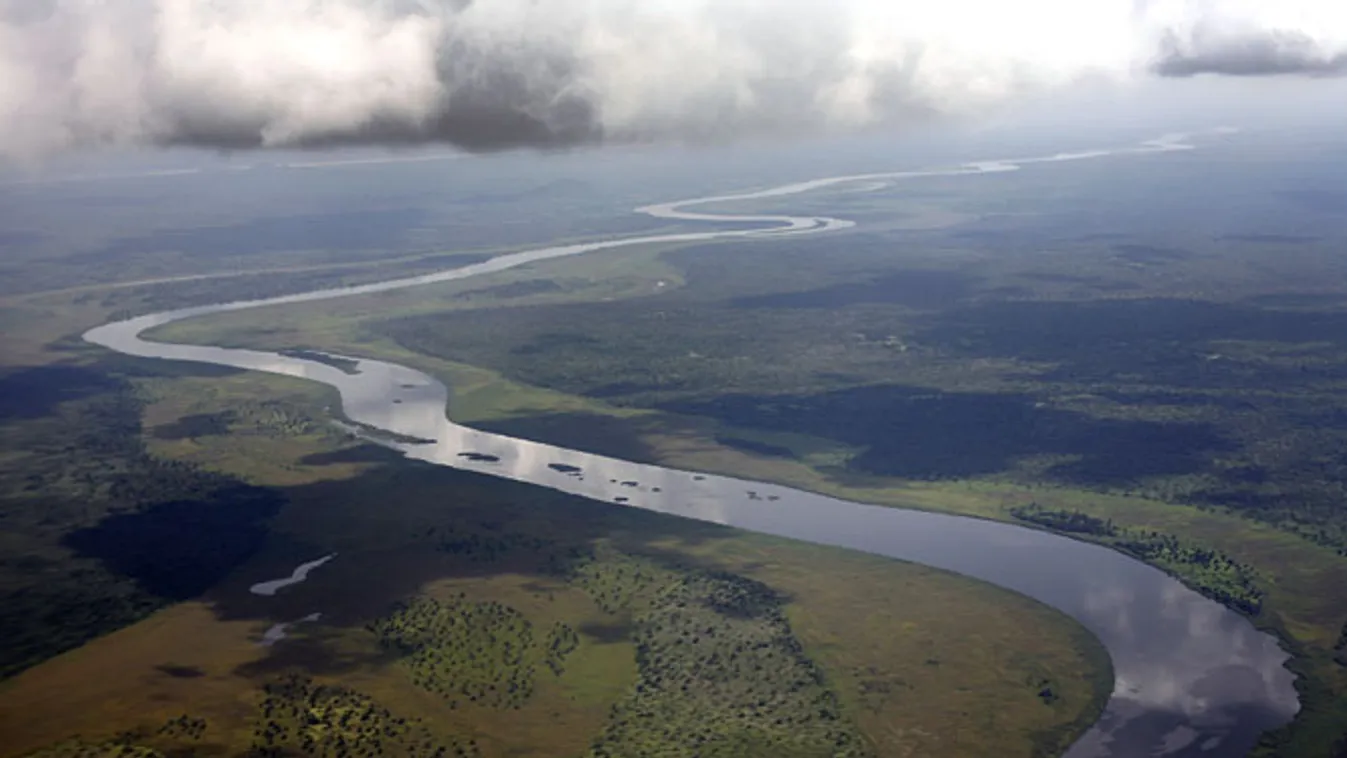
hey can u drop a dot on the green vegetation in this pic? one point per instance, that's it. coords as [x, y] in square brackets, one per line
[172, 739]
[1216, 403]
[1209, 571]
[1197, 411]
[302, 717]
[1067, 365]
[720, 671]
[592, 585]
[561, 642]
[345, 365]
[485, 542]
[721, 674]
[1070, 522]
[184, 726]
[294, 716]
[484, 653]
[98, 533]
[615, 581]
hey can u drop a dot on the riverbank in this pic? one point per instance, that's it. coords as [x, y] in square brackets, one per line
[982, 167]
[908, 650]
[1300, 581]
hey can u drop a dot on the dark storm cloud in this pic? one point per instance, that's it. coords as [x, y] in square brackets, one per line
[1253, 53]
[485, 100]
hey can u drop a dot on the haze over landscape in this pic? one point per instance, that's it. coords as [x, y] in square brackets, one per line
[673, 378]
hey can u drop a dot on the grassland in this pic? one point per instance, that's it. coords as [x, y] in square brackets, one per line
[558, 597]
[1194, 412]
[75, 475]
[1015, 351]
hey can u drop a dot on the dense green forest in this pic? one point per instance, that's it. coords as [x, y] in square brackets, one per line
[302, 717]
[719, 670]
[485, 653]
[720, 674]
[98, 532]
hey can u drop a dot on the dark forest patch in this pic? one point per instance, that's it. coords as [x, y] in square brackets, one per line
[366, 453]
[348, 230]
[34, 392]
[753, 446]
[101, 532]
[609, 632]
[178, 550]
[349, 366]
[589, 433]
[1054, 330]
[196, 425]
[181, 672]
[552, 341]
[919, 289]
[1161, 340]
[916, 433]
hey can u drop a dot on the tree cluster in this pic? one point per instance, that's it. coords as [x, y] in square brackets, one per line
[483, 653]
[301, 717]
[1209, 571]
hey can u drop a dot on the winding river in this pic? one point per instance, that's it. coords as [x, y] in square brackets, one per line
[1191, 677]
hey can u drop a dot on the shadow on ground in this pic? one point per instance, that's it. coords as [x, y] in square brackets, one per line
[921, 434]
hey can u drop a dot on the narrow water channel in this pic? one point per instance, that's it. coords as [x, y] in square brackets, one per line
[1192, 678]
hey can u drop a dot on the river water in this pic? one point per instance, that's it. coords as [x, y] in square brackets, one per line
[1192, 678]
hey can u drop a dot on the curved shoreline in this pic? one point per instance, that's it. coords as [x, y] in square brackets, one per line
[300, 574]
[1182, 681]
[280, 631]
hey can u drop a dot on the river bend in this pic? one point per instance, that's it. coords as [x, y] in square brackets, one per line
[1191, 677]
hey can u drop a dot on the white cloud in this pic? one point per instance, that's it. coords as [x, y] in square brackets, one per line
[501, 73]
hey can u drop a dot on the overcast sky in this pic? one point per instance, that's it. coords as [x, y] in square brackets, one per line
[492, 74]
